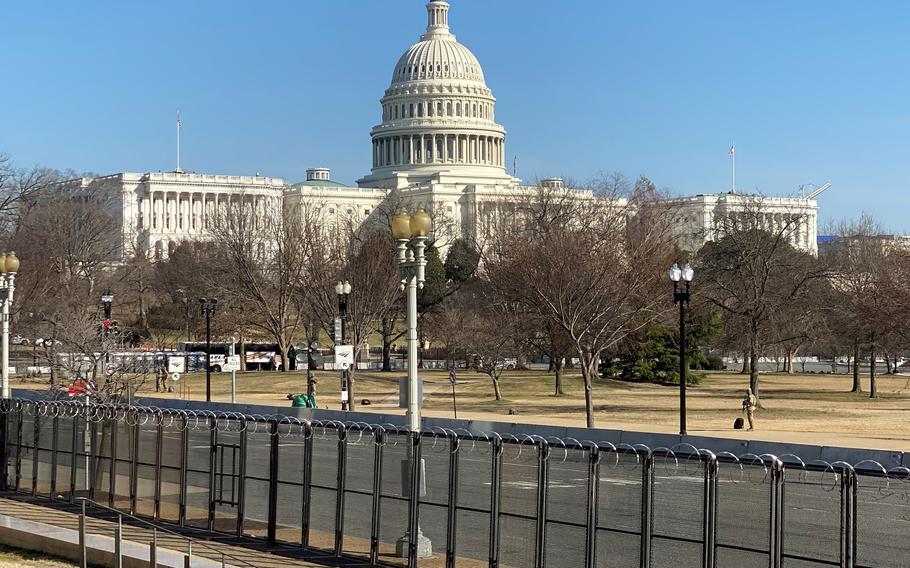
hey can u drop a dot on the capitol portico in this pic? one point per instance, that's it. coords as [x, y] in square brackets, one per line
[437, 146]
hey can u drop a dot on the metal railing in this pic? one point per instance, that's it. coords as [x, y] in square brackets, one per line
[373, 491]
[188, 542]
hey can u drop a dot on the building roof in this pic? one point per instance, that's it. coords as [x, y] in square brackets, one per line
[318, 183]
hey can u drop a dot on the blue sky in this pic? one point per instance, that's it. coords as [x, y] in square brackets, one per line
[811, 91]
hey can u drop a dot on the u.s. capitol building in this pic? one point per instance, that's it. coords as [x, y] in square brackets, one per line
[438, 146]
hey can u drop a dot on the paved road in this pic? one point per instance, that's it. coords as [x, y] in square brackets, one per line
[812, 514]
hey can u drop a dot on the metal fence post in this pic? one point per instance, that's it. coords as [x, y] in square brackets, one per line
[118, 542]
[94, 459]
[452, 511]
[83, 548]
[710, 504]
[153, 549]
[647, 507]
[112, 480]
[543, 481]
[339, 496]
[184, 456]
[241, 479]
[495, 500]
[777, 511]
[591, 510]
[273, 483]
[159, 442]
[848, 515]
[36, 423]
[305, 499]
[19, 448]
[75, 457]
[4, 413]
[378, 441]
[134, 461]
[56, 433]
[213, 445]
[414, 440]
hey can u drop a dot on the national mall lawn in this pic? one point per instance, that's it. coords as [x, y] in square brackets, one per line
[798, 408]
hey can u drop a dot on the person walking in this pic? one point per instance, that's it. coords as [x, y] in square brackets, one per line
[749, 404]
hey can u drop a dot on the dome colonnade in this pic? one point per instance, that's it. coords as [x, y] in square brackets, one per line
[437, 109]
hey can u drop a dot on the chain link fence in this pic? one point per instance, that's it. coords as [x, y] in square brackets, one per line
[389, 496]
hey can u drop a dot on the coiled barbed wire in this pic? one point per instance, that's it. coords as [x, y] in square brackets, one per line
[681, 459]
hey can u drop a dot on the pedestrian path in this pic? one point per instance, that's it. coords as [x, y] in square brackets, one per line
[36, 515]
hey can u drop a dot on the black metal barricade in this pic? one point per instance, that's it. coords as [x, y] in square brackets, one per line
[441, 498]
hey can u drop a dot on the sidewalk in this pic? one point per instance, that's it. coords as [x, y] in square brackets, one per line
[33, 516]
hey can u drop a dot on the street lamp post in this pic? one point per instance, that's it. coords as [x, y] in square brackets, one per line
[681, 297]
[343, 290]
[410, 231]
[9, 265]
[208, 310]
[107, 301]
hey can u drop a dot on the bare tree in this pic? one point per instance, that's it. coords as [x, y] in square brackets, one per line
[258, 261]
[595, 268]
[754, 274]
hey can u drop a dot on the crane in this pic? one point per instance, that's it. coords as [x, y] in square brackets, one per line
[816, 192]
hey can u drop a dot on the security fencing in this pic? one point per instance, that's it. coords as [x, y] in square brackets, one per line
[480, 499]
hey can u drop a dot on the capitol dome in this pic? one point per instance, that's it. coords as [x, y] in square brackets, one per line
[438, 113]
[437, 56]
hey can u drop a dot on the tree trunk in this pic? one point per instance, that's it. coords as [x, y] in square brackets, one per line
[745, 368]
[242, 352]
[386, 355]
[496, 390]
[387, 324]
[873, 393]
[587, 374]
[143, 312]
[753, 368]
[857, 385]
[791, 356]
[888, 364]
[557, 368]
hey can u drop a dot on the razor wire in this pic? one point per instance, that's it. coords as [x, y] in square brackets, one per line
[681, 458]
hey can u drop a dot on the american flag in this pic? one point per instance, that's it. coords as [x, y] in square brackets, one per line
[732, 151]
[178, 119]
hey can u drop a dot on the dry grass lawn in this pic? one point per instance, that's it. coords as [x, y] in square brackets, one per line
[14, 558]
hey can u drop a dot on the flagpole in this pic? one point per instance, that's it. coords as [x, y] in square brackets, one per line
[178, 141]
[734, 166]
